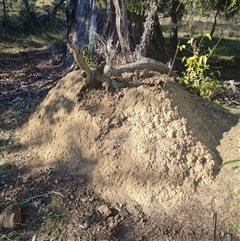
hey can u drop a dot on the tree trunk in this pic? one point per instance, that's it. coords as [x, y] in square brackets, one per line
[141, 49]
[156, 48]
[4, 11]
[136, 28]
[85, 20]
[176, 13]
[4, 20]
[26, 6]
[215, 23]
[99, 76]
[55, 8]
[122, 26]
[88, 23]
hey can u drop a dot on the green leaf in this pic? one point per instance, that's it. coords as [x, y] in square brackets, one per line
[204, 60]
[194, 76]
[236, 225]
[35, 204]
[190, 41]
[182, 47]
[207, 35]
[230, 162]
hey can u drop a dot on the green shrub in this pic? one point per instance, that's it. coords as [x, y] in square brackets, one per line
[88, 55]
[195, 76]
[29, 21]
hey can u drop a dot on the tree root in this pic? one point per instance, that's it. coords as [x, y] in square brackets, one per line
[101, 75]
[142, 64]
[91, 78]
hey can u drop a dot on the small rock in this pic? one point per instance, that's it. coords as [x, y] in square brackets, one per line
[25, 179]
[144, 74]
[11, 216]
[81, 181]
[104, 210]
[229, 237]
[86, 224]
[127, 75]
[111, 223]
[84, 199]
[71, 196]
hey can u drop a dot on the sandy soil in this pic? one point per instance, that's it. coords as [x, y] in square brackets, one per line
[138, 163]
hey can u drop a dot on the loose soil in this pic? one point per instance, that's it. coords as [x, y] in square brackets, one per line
[138, 163]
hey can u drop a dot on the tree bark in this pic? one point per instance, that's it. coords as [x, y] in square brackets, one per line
[4, 11]
[26, 6]
[96, 77]
[152, 40]
[156, 48]
[91, 78]
[136, 28]
[107, 27]
[122, 26]
[141, 50]
[55, 8]
[85, 20]
[214, 23]
[176, 13]
[143, 64]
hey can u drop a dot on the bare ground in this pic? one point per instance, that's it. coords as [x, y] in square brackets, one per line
[140, 163]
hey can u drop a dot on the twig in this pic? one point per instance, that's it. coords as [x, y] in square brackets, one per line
[48, 83]
[42, 195]
[214, 220]
[215, 226]
[174, 59]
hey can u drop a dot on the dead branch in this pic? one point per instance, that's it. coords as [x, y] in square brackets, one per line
[100, 75]
[144, 63]
[91, 78]
[81, 63]
[41, 195]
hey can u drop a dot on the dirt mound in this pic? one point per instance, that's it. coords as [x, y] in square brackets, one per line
[151, 143]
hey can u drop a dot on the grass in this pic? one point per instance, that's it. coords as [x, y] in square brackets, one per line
[52, 225]
[21, 41]
[226, 38]
[5, 149]
[7, 141]
[4, 165]
[14, 37]
[226, 48]
[8, 235]
[236, 168]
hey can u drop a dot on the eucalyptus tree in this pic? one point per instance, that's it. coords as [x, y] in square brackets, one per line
[227, 8]
[124, 27]
[173, 9]
[4, 10]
